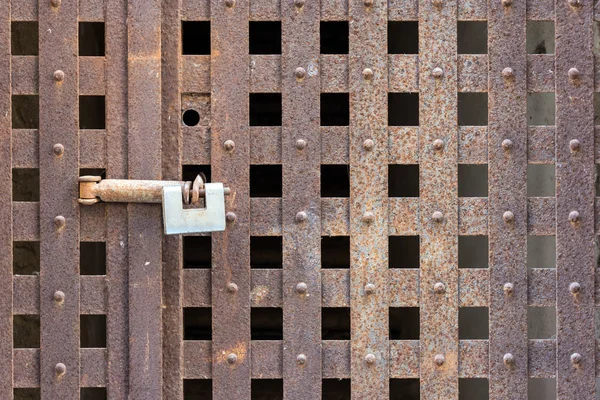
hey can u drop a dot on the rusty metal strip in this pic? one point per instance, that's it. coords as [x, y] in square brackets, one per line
[438, 157]
[231, 249]
[301, 206]
[507, 150]
[369, 312]
[144, 220]
[59, 214]
[575, 178]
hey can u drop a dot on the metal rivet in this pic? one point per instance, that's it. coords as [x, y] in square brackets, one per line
[367, 74]
[575, 287]
[368, 3]
[507, 144]
[508, 216]
[370, 359]
[301, 216]
[230, 216]
[437, 216]
[300, 73]
[231, 358]
[55, 3]
[369, 288]
[509, 359]
[573, 217]
[300, 144]
[229, 3]
[368, 217]
[575, 358]
[59, 76]
[509, 288]
[368, 144]
[299, 3]
[59, 222]
[439, 359]
[575, 145]
[438, 144]
[507, 3]
[301, 288]
[229, 145]
[301, 359]
[60, 369]
[574, 74]
[58, 149]
[574, 3]
[508, 72]
[59, 296]
[437, 72]
[439, 288]
[232, 288]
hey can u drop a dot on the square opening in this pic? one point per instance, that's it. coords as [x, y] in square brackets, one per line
[335, 109]
[27, 394]
[336, 389]
[405, 389]
[541, 180]
[472, 180]
[541, 251]
[266, 389]
[404, 252]
[472, 37]
[265, 181]
[93, 171]
[93, 331]
[473, 252]
[403, 109]
[197, 389]
[197, 323]
[195, 37]
[597, 102]
[26, 331]
[540, 37]
[96, 393]
[473, 388]
[92, 112]
[473, 109]
[190, 172]
[266, 252]
[541, 109]
[91, 38]
[335, 181]
[197, 252]
[26, 184]
[24, 38]
[541, 388]
[92, 258]
[335, 252]
[403, 37]
[335, 323]
[265, 37]
[541, 322]
[26, 258]
[266, 323]
[265, 109]
[334, 37]
[25, 112]
[473, 323]
[404, 323]
[403, 180]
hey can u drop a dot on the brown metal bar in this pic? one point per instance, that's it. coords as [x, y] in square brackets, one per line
[369, 310]
[575, 178]
[59, 215]
[144, 220]
[438, 210]
[231, 352]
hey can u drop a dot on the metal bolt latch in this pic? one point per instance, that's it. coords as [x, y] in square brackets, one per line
[173, 195]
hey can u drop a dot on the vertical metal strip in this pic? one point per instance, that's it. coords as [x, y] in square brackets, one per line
[301, 205]
[117, 321]
[438, 156]
[575, 178]
[59, 211]
[507, 149]
[144, 220]
[171, 169]
[368, 84]
[231, 249]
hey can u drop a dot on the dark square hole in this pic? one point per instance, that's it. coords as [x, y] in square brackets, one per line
[472, 37]
[403, 109]
[93, 172]
[335, 109]
[265, 37]
[93, 393]
[265, 109]
[197, 252]
[27, 394]
[24, 38]
[197, 389]
[403, 37]
[541, 251]
[541, 322]
[26, 331]
[266, 252]
[266, 323]
[335, 323]
[473, 109]
[195, 37]
[197, 323]
[334, 37]
[335, 181]
[26, 258]
[403, 180]
[265, 181]
[92, 258]
[540, 37]
[473, 388]
[25, 112]
[190, 172]
[472, 180]
[541, 388]
[541, 109]
[473, 323]
[335, 252]
[266, 389]
[92, 112]
[405, 389]
[404, 252]
[472, 251]
[336, 389]
[404, 323]
[91, 38]
[93, 331]
[26, 184]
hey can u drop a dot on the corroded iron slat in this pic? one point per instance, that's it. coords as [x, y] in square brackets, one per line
[144, 220]
[507, 205]
[59, 214]
[438, 154]
[369, 312]
[231, 353]
[301, 206]
[575, 178]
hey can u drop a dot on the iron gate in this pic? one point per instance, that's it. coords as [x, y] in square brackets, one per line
[343, 148]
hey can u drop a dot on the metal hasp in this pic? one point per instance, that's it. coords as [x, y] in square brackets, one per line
[172, 194]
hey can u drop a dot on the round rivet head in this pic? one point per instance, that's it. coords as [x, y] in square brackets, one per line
[437, 216]
[59, 222]
[300, 144]
[58, 149]
[232, 288]
[508, 72]
[299, 3]
[507, 3]
[367, 74]
[368, 217]
[301, 216]
[509, 359]
[508, 216]
[439, 288]
[438, 145]
[55, 3]
[369, 288]
[59, 76]
[231, 358]
[507, 144]
[439, 360]
[230, 216]
[301, 288]
[370, 359]
[575, 145]
[59, 296]
[229, 3]
[60, 369]
[509, 288]
[368, 3]
[301, 359]
[575, 287]
[437, 72]
[368, 144]
[576, 358]
[574, 3]
[574, 73]
[229, 145]
[300, 73]
[573, 217]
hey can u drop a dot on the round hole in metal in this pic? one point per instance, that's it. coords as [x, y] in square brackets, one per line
[191, 117]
